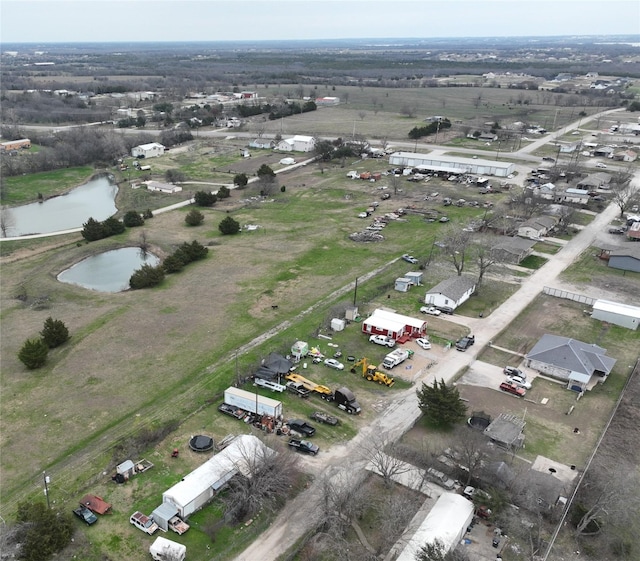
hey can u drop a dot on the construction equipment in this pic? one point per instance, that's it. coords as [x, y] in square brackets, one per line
[371, 373]
[342, 397]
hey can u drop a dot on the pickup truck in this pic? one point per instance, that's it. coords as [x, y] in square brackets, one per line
[464, 343]
[178, 525]
[232, 411]
[144, 523]
[304, 446]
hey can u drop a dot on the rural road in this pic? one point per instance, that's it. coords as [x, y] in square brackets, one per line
[300, 515]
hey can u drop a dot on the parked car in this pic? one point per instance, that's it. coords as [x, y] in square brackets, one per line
[304, 446]
[512, 389]
[333, 363]
[513, 371]
[520, 382]
[84, 514]
[409, 259]
[440, 478]
[445, 309]
[548, 159]
[443, 219]
[382, 340]
[464, 343]
[301, 427]
[424, 343]
[618, 230]
[325, 418]
[298, 389]
[431, 310]
[144, 523]
[601, 165]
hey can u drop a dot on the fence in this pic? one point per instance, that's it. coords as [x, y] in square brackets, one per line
[569, 295]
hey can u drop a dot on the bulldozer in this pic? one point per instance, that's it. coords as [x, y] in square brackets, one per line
[371, 373]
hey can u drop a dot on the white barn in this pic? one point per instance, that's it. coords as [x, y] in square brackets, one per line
[447, 522]
[298, 143]
[200, 486]
[152, 150]
[451, 164]
[451, 292]
[618, 314]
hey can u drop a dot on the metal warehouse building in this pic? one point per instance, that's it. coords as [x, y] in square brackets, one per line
[451, 164]
[618, 314]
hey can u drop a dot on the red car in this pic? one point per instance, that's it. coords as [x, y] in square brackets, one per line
[512, 388]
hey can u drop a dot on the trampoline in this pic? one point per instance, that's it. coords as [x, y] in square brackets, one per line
[201, 443]
[479, 420]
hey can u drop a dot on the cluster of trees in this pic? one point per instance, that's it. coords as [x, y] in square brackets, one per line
[276, 110]
[33, 353]
[148, 276]
[431, 128]
[93, 230]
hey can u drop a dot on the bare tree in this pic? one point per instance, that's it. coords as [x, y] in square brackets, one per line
[470, 451]
[380, 456]
[362, 115]
[408, 110]
[341, 499]
[394, 181]
[622, 190]
[456, 243]
[265, 476]
[484, 255]
[7, 221]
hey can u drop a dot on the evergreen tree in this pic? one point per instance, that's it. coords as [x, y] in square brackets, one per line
[441, 404]
[265, 171]
[113, 226]
[132, 219]
[146, 276]
[43, 531]
[204, 198]
[93, 230]
[224, 192]
[240, 180]
[173, 264]
[33, 353]
[194, 218]
[54, 333]
[229, 226]
[147, 214]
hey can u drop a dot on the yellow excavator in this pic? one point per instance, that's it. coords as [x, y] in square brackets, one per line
[371, 373]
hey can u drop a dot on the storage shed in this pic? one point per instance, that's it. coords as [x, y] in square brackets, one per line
[151, 150]
[200, 486]
[402, 284]
[618, 314]
[447, 522]
[126, 469]
[415, 277]
[164, 513]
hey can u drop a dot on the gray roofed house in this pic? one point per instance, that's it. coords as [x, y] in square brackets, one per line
[451, 292]
[627, 259]
[570, 360]
[598, 180]
[513, 249]
[537, 226]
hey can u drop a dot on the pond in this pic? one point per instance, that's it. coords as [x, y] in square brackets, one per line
[109, 271]
[95, 199]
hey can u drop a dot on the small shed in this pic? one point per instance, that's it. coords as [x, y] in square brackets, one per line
[126, 469]
[337, 324]
[618, 314]
[164, 513]
[506, 431]
[403, 284]
[415, 277]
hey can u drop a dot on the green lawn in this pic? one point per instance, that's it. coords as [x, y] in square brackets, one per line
[27, 188]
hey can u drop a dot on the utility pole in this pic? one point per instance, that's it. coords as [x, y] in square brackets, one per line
[47, 480]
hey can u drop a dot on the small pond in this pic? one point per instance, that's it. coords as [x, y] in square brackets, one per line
[95, 199]
[109, 271]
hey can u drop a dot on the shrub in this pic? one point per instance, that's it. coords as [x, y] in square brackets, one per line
[93, 230]
[224, 192]
[54, 333]
[194, 218]
[147, 214]
[204, 198]
[173, 264]
[146, 276]
[132, 219]
[113, 226]
[240, 180]
[33, 353]
[229, 226]
[193, 251]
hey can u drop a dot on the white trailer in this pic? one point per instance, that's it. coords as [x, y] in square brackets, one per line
[166, 550]
[253, 402]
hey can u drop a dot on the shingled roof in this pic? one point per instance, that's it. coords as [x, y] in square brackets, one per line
[570, 354]
[454, 288]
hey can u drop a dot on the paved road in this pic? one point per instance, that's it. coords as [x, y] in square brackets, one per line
[401, 414]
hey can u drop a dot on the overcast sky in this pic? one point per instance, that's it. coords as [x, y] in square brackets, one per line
[222, 20]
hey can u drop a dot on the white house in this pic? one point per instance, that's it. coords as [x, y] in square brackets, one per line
[163, 187]
[298, 143]
[447, 522]
[152, 150]
[451, 292]
[200, 486]
[537, 227]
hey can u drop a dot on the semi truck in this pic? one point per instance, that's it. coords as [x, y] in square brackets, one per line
[342, 397]
[253, 402]
[394, 358]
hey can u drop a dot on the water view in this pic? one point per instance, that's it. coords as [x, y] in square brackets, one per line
[109, 271]
[96, 199]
